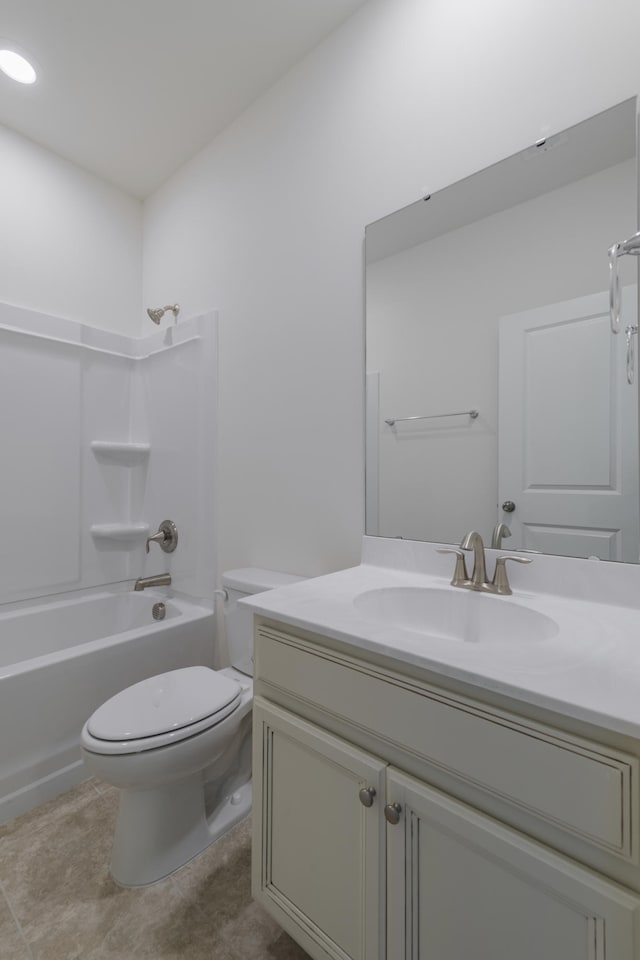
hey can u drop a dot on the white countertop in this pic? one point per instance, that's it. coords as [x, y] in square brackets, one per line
[589, 670]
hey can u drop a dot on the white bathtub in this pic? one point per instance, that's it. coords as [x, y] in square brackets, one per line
[60, 660]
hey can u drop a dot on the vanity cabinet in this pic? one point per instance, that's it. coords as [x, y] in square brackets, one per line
[461, 885]
[361, 855]
[318, 850]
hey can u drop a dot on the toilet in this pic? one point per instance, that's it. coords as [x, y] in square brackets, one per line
[178, 746]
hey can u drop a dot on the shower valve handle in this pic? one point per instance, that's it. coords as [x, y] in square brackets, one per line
[166, 537]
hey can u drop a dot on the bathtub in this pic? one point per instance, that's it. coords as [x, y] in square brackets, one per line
[60, 659]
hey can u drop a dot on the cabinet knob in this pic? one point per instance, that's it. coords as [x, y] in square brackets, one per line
[392, 813]
[366, 796]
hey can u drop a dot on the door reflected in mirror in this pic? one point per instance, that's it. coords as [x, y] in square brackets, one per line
[498, 398]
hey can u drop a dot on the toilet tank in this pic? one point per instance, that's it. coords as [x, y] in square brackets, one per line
[246, 582]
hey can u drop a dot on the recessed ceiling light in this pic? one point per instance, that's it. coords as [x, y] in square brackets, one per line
[15, 65]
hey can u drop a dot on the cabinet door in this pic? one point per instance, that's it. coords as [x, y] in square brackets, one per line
[461, 885]
[318, 851]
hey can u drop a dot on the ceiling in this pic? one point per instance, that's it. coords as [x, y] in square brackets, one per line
[131, 89]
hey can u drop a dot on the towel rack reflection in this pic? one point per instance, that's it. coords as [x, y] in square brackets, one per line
[473, 414]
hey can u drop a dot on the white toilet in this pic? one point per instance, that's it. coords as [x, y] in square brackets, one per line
[178, 746]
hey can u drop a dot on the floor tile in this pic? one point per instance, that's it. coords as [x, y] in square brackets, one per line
[283, 948]
[254, 935]
[12, 944]
[58, 857]
[106, 915]
[39, 816]
[218, 882]
[54, 872]
[153, 923]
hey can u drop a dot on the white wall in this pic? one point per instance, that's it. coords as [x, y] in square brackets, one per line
[70, 244]
[266, 224]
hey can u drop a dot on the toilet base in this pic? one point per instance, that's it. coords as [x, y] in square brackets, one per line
[160, 830]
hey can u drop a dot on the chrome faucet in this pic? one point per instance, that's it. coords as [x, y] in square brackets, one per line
[478, 579]
[473, 541]
[500, 532]
[160, 580]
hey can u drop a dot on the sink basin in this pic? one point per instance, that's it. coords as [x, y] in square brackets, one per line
[455, 614]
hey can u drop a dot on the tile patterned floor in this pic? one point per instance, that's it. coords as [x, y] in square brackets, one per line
[57, 901]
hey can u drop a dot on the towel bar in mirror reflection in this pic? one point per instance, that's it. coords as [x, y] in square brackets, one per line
[472, 414]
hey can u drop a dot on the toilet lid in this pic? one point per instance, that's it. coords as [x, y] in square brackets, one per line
[169, 701]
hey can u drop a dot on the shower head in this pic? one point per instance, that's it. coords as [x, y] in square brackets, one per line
[159, 312]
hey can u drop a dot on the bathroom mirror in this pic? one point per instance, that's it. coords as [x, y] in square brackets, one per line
[496, 391]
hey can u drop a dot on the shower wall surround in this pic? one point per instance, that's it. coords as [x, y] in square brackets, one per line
[102, 438]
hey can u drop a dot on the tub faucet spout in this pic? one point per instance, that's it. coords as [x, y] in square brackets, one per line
[160, 580]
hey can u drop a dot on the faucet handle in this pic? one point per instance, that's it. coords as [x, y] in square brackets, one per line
[156, 538]
[500, 582]
[167, 537]
[460, 575]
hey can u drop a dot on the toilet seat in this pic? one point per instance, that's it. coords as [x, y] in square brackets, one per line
[161, 710]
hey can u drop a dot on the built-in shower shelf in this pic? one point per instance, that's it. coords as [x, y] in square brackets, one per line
[127, 534]
[123, 452]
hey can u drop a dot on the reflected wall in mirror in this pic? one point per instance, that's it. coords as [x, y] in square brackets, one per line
[492, 296]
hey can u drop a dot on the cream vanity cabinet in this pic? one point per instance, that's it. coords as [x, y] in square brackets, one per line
[360, 853]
